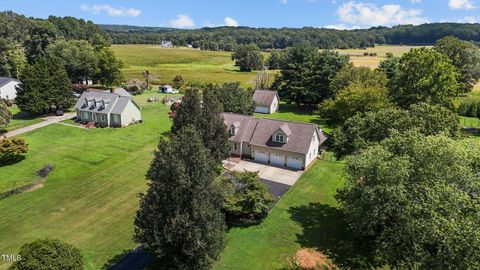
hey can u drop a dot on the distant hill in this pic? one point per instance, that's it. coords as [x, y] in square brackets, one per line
[226, 38]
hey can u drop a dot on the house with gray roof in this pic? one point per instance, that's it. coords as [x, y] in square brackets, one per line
[8, 88]
[281, 143]
[113, 108]
[266, 101]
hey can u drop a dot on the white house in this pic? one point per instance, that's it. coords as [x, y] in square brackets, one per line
[114, 108]
[266, 101]
[8, 88]
[167, 44]
[280, 143]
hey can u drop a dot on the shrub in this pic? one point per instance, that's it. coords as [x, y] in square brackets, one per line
[48, 254]
[246, 199]
[12, 147]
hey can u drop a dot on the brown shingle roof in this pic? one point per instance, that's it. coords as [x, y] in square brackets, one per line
[259, 132]
[264, 97]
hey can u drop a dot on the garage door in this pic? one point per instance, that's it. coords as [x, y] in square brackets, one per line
[294, 162]
[277, 159]
[261, 156]
[261, 109]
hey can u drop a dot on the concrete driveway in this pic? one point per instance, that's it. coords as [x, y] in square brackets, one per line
[48, 121]
[270, 173]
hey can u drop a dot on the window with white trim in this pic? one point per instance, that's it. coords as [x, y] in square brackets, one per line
[279, 137]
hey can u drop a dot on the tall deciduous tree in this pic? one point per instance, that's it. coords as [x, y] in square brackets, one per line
[109, 68]
[180, 220]
[235, 99]
[5, 114]
[415, 199]
[361, 131]
[424, 75]
[248, 57]
[77, 56]
[356, 98]
[361, 76]
[465, 56]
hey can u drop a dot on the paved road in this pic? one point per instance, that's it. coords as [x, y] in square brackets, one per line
[48, 121]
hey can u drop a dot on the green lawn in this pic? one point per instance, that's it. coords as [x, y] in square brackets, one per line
[193, 65]
[291, 112]
[20, 119]
[91, 196]
[306, 217]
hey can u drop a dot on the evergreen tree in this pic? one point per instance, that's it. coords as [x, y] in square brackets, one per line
[215, 136]
[61, 87]
[189, 112]
[5, 114]
[32, 95]
[180, 220]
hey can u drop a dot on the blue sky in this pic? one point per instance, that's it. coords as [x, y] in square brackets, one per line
[257, 13]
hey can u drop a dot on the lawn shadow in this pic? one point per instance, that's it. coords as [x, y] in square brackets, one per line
[324, 228]
[11, 161]
[24, 116]
[136, 259]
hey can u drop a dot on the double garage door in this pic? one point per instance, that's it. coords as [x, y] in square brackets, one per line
[279, 160]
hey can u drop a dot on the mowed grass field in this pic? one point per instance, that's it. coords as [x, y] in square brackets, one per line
[91, 197]
[194, 65]
[20, 119]
[358, 59]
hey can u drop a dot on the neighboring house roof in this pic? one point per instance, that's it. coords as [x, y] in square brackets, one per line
[115, 102]
[259, 132]
[264, 97]
[5, 80]
[121, 92]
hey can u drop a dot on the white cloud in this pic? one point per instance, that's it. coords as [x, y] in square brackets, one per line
[182, 21]
[468, 19]
[461, 4]
[229, 21]
[415, 1]
[368, 15]
[111, 11]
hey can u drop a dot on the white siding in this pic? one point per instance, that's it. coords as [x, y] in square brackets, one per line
[130, 114]
[8, 91]
[313, 150]
[261, 109]
[275, 105]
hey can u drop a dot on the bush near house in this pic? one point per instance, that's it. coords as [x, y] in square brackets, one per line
[246, 199]
[11, 148]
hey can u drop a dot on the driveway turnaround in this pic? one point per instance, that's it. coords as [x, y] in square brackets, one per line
[48, 121]
[270, 173]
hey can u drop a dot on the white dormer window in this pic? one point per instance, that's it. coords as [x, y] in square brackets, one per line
[279, 138]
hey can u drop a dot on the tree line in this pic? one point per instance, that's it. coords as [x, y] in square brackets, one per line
[50, 55]
[227, 38]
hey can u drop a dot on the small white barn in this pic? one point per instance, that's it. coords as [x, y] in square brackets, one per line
[8, 88]
[167, 89]
[266, 101]
[167, 44]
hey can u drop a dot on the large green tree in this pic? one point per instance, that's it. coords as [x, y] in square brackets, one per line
[40, 35]
[5, 114]
[77, 56]
[48, 254]
[180, 220]
[425, 75]
[234, 98]
[465, 56]
[212, 126]
[248, 57]
[306, 74]
[363, 130]
[354, 99]
[415, 199]
[361, 76]
[109, 68]
[190, 110]
[60, 92]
